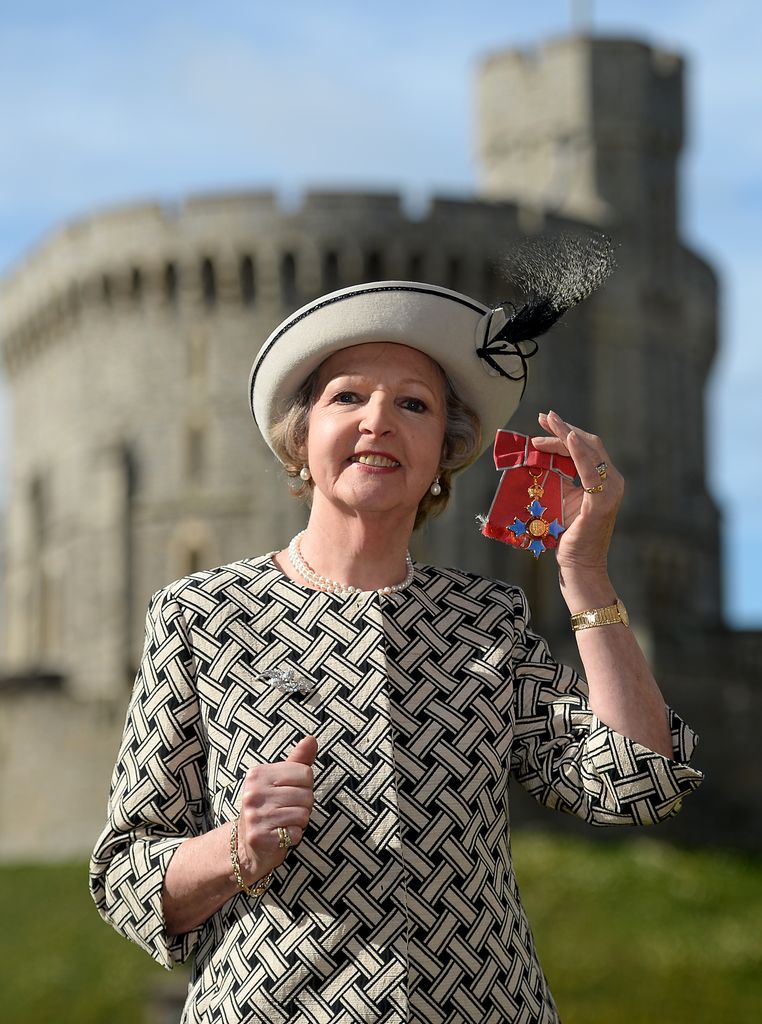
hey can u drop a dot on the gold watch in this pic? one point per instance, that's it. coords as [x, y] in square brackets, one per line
[607, 616]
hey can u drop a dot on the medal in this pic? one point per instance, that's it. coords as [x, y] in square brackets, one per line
[537, 525]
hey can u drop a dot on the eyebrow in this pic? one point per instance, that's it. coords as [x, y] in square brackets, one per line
[402, 383]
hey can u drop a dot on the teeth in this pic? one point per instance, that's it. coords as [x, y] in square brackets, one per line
[376, 460]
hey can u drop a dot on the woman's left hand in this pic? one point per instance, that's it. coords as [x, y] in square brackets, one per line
[589, 517]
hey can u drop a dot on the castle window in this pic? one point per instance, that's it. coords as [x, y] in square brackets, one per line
[374, 266]
[195, 453]
[415, 267]
[491, 282]
[38, 509]
[454, 273]
[170, 282]
[193, 559]
[136, 285]
[288, 290]
[330, 271]
[208, 283]
[128, 467]
[247, 280]
[42, 609]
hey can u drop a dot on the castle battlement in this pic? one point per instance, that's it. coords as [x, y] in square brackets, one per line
[245, 250]
[591, 127]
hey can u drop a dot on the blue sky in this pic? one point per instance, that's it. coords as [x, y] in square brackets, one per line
[110, 103]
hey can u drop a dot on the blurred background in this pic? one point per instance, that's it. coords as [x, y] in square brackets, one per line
[176, 178]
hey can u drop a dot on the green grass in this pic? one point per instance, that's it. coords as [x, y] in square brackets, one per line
[58, 961]
[639, 932]
[632, 932]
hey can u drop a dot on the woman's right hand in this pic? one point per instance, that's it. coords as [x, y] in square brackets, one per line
[275, 796]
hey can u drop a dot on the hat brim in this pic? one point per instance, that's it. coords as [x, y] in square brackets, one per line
[447, 326]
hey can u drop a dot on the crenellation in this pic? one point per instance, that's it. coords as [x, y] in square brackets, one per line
[367, 206]
[196, 266]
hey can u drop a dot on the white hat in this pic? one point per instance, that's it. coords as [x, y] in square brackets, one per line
[483, 351]
[447, 326]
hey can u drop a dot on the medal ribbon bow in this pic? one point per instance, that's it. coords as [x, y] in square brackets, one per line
[532, 524]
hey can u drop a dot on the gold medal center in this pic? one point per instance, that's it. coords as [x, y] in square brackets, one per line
[538, 527]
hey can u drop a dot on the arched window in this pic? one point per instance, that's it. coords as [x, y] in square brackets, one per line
[136, 285]
[415, 267]
[374, 266]
[288, 289]
[38, 512]
[454, 273]
[330, 271]
[170, 282]
[247, 280]
[208, 282]
[193, 559]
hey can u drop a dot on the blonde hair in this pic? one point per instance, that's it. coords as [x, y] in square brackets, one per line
[461, 445]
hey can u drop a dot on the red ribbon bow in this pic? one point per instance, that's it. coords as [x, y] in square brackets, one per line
[515, 517]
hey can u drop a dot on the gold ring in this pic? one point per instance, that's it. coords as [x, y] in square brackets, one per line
[284, 838]
[601, 468]
[593, 490]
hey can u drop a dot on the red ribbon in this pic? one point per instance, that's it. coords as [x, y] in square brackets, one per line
[522, 465]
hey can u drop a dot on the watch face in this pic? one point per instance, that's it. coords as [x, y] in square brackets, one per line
[623, 612]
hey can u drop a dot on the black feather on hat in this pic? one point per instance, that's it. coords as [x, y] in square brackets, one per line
[554, 274]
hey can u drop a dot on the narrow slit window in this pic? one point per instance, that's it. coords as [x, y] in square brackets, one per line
[288, 287]
[415, 267]
[247, 280]
[136, 285]
[374, 266]
[330, 271]
[208, 282]
[170, 282]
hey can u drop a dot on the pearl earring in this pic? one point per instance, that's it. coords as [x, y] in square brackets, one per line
[436, 488]
[304, 473]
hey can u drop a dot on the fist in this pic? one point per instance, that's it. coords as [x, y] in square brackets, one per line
[275, 796]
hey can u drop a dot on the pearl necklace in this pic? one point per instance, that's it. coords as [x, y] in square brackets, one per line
[325, 583]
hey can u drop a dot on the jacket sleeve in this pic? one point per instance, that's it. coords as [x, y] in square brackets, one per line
[571, 761]
[157, 797]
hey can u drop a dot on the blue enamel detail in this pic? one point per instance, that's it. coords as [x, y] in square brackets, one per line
[555, 529]
[518, 528]
[536, 509]
[536, 547]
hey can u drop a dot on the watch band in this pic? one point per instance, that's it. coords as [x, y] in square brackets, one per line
[607, 616]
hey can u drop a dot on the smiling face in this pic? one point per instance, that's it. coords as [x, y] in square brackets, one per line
[376, 429]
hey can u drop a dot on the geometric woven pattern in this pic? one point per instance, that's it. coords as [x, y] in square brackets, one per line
[401, 903]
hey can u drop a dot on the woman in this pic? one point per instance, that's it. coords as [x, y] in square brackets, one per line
[312, 791]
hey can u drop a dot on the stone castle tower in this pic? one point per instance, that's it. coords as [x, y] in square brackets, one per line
[127, 338]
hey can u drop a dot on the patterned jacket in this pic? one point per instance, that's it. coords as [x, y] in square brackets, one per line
[401, 903]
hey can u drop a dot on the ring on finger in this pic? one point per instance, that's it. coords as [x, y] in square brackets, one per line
[593, 490]
[284, 838]
[601, 468]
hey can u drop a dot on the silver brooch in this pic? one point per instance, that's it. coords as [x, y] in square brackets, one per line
[287, 680]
